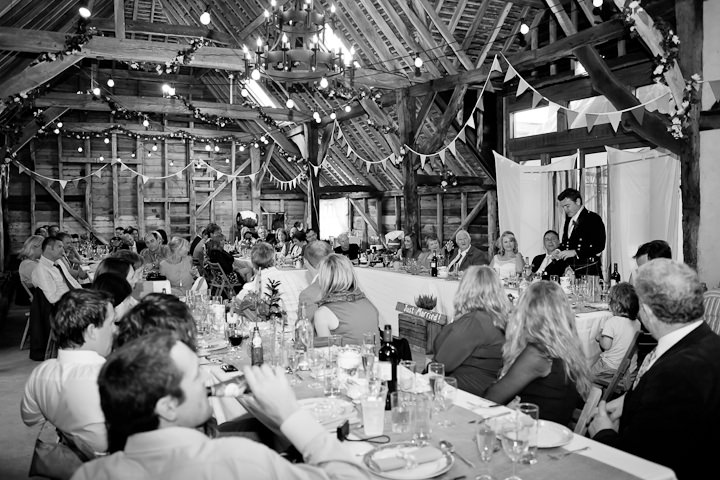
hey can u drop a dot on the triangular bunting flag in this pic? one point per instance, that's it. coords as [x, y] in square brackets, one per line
[715, 87]
[461, 135]
[393, 159]
[123, 167]
[219, 174]
[614, 118]
[590, 118]
[422, 160]
[316, 168]
[537, 98]
[384, 162]
[489, 87]
[522, 86]
[76, 182]
[63, 183]
[509, 74]
[554, 107]
[179, 174]
[252, 177]
[98, 173]
[145, 178]
[21, 168]
[471, 120]
[339, 134]
[367, 166]
[451, 147]
[349, 151]
[651, 106]
[571, 116]
[496, 65]
[638, 113]
[442, 156]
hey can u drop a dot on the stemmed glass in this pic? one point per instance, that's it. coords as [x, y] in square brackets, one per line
[515, 438]
[485, 441]
[445, 391]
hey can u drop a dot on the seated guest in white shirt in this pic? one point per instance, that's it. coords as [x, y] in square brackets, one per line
[72, 259]
[461, 254]
[63, 390]
[51, 276]
[154, 395]
[29, 256]
[315, 252]
[544, 264]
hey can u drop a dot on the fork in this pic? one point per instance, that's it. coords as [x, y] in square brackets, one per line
[558, 456]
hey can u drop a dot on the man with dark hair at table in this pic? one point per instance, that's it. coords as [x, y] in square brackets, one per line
[583, 238]
[545, 264]
[671, 415]
[651, 250]
[153, 395]
[51, 275]
[315, 252]
[63, 390]
[53, 230]
[198, 238]
[212, 230]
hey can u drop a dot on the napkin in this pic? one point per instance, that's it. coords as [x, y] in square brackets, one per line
[421, 455]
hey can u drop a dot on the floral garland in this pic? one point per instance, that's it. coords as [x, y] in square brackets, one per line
[671, 45]
[183, 57]
[448, 180]
[680, 118]
[73, 44]
[384, 128]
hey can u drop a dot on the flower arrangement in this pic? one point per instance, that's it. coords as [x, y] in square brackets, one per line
[448, 179]
[428, 302]
[261, 307]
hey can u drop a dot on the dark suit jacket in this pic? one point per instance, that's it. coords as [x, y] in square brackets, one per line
[672, 417]
[474, 256]
[588, 240]
[555, 267]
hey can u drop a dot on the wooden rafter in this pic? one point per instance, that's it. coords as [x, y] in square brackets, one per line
[493, 34]
[446, 34]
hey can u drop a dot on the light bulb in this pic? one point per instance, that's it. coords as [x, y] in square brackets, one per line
[256, 145]
[149, 154]
[255, 75]
[110, 82]
[205, 18]
[333, 115]
[132, 155]
[217, 148]
[165, 88]
[80, 149]
[57, 131]
[316, 115]
[106, 140]
[524, 29]
[171, 91]
[154, 148]
[146, 123]
[318, 120]
[290, 103]
[262, 138]
[227, 160]
[323, 82]
[597, 3]
[348, 108]
[244, 92]
[96, 91]
[84, 12]
[101, 158]
[208, 148]
[172, 163]
[418, 62]
[242, 148]
[59, 124]
[332, 8]
[266, 14]
[259, 42]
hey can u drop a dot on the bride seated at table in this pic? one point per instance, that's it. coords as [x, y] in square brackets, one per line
[177, 267]
[543, 362]
[507, 261]
[343, 308]
[471, 346]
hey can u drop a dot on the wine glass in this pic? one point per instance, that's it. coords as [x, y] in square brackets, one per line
[515, 439]
[485, 441]
[445, 391]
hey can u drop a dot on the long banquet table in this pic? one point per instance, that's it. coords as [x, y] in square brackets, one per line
[596, 462]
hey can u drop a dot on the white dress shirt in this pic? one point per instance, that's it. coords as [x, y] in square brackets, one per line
[178, 453]
[48, 278]
[666, 342]
[573, 220]
[546, 261]
[458, 258]
[64, 391]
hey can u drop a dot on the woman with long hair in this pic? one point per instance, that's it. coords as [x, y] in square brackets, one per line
[507, 260]
[28, 256]
[343, 308]
[471, 346]
[177, 267]
[409, 250]
[282, 242]
[543, 362]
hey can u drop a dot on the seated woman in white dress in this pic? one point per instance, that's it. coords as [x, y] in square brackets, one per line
[507, 261]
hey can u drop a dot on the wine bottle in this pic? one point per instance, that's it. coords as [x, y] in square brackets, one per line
[256, 348]
[434, 264]
[614, 276]
[234, 387]
[527, 268]
[303, 329]
[388, 359]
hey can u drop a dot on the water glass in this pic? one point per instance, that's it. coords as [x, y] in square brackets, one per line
[369, 342]
[334, 344]
[420, 418]
[445, 392]
[401, 405]
[435, 370]
[331, 379]
[406, 376]
[515, 438]
[485, 441]
[373, 413]
[531, 415]
[316, 363]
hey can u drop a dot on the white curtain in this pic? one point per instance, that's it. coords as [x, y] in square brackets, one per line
[525, 200]
[333, 217]
[644, 197]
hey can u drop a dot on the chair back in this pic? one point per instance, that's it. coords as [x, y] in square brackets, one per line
[593, 399]
[623, 372]
[711, 300]
[40, 312]
[218, 282]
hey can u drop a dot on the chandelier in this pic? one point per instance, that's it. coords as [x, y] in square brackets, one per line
[297, 47]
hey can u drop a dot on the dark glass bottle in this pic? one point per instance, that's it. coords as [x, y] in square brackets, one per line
[234, 387]
[614, 276]
[388, 358]
[434, 264]
[256, 348]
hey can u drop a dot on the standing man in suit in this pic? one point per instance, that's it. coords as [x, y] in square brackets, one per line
[545, 264]
[583, 237]
[464, 254]
[672, 413]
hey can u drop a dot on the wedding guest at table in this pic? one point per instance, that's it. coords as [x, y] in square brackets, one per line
[177, 267]
[212, 230]
[64, 390]
[121, 267]
[51, 275]
[409, 250]
[53, 230]
[153, 397]
[163, 235]
[116, 243]
[471, 346]
[462, 254]
[264, 236]
[311, 235]
[546, 264]
[72, 260]
[617, 333]
[315, 253]
[138, 242]
[583, 238]
[299, 242]
[343, 308]
[507, 262]
[675, 394]
[119, 289]
[649, 251]
[42, 231]
[235, 271]
[29, 256]
[433, 248]
[157, 312]
[155, 251]
[543, 361]
[350, 250]
[282, 243]
[197, 239]
[119, 231]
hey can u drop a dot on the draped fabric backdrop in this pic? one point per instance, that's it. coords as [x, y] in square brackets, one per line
[644, 197]
[333, 217]
[525, 200]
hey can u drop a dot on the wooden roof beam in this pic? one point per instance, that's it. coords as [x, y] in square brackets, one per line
[165, 29]
[446, 34]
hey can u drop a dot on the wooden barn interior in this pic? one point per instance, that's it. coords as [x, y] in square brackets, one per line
[93, 138]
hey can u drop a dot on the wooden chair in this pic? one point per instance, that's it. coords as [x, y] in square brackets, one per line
[583, 417]
[25, 337]
[622, 374]
[218, 282]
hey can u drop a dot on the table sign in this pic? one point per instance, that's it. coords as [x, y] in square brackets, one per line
[419, 326]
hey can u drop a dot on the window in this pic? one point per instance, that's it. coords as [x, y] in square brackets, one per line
[535, 121]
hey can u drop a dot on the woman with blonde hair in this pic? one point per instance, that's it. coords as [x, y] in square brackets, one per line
[28, 256]
[343, 308]
[282, 242]
[177, 267]
[471, 346]
[507, 261]
[543, 362]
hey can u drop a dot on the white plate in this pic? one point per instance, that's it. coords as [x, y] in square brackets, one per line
[424, 470]
[329, 411]
[551, 434]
